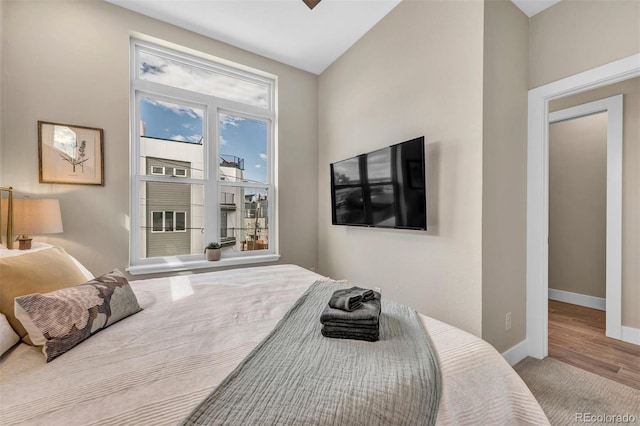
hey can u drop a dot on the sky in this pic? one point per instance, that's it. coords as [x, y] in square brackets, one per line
[241, 137]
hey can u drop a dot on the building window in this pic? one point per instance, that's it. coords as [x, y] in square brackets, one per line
[168, 221]
[179, 172]
[215, 131]
[158, 221]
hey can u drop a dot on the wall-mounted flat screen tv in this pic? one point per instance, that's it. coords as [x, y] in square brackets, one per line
[383, 188]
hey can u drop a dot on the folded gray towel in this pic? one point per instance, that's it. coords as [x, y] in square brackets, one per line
[368, 313]
[347, 324]
[368, 329]
[351, 334]
[345, 299]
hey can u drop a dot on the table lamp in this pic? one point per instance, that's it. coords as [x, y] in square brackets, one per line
[35, 216]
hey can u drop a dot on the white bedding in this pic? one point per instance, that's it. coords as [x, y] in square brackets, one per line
[154, 367]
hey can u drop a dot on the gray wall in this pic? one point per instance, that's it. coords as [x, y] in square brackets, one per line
[630, 185]
[504, 180]
[417, 72]
[576, 35]
[578, 205]
[68, 62]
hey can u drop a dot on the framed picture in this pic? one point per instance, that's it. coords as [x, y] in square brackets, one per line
[70, 154]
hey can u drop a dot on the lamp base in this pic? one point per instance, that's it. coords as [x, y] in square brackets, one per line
[25, 243]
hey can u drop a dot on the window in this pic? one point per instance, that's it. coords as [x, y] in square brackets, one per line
[169, 221]
[212, 126]
[180, 172]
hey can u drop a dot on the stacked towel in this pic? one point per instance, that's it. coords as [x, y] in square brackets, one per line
[352, 313]
[350, 299]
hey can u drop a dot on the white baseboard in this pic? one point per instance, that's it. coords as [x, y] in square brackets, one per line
[516, 353]
[630, 335]
[599, 303]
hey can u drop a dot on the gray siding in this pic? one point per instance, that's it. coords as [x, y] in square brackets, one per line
[175, 197]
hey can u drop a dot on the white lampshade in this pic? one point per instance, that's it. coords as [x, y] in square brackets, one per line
[33, 216]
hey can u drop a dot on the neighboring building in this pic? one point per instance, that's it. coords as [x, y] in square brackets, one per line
[172, 213]
[232, 170]
[168, 209]
[256, 221]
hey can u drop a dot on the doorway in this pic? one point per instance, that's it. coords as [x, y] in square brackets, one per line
[577, 245]
[585, 256]
[537, 193]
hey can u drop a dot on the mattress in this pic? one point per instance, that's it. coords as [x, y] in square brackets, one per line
[154, 367]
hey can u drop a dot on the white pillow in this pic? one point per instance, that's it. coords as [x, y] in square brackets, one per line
[36, 246]
[8, 337]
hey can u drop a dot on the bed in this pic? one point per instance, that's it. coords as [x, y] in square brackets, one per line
[154, 367]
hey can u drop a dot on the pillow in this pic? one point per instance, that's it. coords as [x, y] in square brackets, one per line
[37, 246]
[61, 319]
[8, 337]
[41, 271]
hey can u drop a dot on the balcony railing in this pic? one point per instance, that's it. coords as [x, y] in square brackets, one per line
[232, 161]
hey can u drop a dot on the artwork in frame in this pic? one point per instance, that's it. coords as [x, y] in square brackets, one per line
[70, 154]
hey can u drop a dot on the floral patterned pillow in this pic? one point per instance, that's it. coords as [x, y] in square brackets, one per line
[61, 319]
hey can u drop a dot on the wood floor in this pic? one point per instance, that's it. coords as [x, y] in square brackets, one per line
[577, 337]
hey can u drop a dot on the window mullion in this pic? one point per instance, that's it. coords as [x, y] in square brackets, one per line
[212, 211]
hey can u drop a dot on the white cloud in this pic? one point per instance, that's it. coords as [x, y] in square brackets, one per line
[258, 166]
[201, 80]
[183, 138]
[229, 120]
[175, 108]
[263, 156]
[223, 141]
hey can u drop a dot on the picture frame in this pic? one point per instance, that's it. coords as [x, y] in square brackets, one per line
[70, 154]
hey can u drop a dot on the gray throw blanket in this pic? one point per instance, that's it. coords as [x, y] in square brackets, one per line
[297, 377]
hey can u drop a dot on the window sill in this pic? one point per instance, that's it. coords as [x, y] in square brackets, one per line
[176, 265]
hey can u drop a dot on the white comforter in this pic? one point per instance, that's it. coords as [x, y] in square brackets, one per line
[154, 367]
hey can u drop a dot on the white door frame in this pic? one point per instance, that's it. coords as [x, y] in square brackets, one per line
[538, 188]
[613, 106]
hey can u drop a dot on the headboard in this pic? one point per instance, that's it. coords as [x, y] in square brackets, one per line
[6, 215]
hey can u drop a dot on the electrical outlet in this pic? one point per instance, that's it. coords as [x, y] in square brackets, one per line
[507, 321]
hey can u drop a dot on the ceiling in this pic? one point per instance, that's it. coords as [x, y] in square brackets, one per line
[533, 7]
[284, 30]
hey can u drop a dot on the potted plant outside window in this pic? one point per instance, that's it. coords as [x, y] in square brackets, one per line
[212, 251]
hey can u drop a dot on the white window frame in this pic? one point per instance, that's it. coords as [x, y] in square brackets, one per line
[164, 218]
[211, 182]
[153, 228]
[158, 167]
[175, 221]
[182, 169]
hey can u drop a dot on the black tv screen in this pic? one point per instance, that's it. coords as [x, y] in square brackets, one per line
[383, 188]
